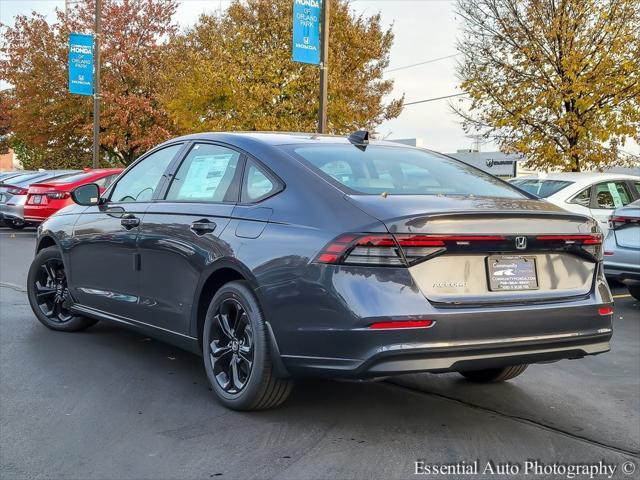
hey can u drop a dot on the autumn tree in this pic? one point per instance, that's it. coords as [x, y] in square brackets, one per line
[555, 80]
[5, 119]
[53, 127]
[234, 72]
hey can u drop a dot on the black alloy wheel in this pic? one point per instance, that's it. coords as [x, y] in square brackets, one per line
[237, 353]
[232, 346]
[48, 293]
[52, 292]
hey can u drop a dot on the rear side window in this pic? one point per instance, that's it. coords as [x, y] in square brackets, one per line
[258, 184]
[104, 182]
[206, 175]
[399, 171]
[583, 198]
[637, 187]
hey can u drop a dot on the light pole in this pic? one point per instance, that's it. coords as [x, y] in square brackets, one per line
[324, 67]
[96, 84]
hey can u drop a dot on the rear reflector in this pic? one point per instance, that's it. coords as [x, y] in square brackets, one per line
[604, 311]
[402, 324]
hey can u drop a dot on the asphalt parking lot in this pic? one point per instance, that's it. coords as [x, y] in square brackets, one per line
[109, 403]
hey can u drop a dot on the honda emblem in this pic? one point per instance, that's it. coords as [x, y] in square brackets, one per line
[521, 243]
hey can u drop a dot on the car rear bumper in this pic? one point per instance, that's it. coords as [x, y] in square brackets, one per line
[11, 212]
[457, 356]
[329, 334]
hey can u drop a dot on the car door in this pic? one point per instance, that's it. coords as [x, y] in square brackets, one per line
[606, 197]
[104, 261]
[180, 232]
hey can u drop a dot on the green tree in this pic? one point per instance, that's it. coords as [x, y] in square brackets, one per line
[53, 128]
[555, 80]
[235, 72]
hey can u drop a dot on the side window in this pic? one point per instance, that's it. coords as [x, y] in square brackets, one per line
[583, 198]
[612, 195]
[636, 185]
[205, 175]
[140, 183]
[104, 182]
[257, 184]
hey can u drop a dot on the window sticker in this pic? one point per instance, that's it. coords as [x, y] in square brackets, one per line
[617, 200]
[204, 176]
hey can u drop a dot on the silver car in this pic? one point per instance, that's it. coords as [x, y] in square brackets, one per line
[622, 247]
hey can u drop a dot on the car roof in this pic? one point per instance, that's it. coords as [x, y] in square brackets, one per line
[277, 138]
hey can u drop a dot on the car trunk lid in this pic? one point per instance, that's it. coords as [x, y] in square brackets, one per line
[475, 250]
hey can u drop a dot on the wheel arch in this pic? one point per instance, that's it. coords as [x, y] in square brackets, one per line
[214, 278]
[46, 241]
[211, 280]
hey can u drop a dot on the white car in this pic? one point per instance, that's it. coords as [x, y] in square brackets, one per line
[589, 193]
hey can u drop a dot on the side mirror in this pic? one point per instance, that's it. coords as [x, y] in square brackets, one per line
[86, 195]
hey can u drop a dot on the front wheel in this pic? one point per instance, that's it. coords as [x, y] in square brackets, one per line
[236, 352]
[494, 375]
[48, 293]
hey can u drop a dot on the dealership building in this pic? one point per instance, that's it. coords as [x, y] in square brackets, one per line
[500, 164]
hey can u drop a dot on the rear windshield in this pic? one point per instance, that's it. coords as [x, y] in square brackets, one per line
[24, 178]
[399, 171]
[73, 177]
[541, 188]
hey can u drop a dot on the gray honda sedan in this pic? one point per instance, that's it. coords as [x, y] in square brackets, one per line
[276, 256]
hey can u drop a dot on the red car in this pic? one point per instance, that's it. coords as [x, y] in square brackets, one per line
[46, 198]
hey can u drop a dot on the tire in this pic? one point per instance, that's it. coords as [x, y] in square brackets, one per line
[49, 295]
[494, 375]
[16, 224]
[235, 332]
[634, 290]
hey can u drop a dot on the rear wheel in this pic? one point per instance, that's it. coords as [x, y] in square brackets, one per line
[494, 375]
[236, 352]
[16, 224]
[634, 290]
[48, 293]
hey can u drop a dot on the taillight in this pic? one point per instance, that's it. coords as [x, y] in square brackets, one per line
[57, 195]
[400, 250]
[17, 191]
[590, 243]
[604, 311]
[619, 221]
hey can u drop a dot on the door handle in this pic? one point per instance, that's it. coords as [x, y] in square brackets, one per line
[129, 221]
[202, 226]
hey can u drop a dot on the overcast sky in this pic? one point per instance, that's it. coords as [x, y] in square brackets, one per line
[424, 30]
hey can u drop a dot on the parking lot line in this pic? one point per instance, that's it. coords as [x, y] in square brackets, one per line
[624, 295]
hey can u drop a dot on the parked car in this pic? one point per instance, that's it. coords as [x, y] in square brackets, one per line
[622, 248]
[46, 198]
[13, 195]
[4, 176]
[595, 194]
[283, 255]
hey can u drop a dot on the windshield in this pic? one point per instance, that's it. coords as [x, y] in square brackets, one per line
[399, 171]
[541, 188]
